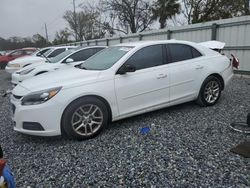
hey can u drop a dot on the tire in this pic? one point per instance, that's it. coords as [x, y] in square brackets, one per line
[3, 64]
[84, 118]
[210, 91]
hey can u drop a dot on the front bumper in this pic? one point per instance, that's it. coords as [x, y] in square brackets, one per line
[47, 115]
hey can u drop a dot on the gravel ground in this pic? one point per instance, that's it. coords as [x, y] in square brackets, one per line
[187, 146]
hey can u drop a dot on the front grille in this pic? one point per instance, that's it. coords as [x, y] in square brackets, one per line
[17, 97]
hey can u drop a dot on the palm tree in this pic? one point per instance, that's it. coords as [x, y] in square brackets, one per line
[165, 9]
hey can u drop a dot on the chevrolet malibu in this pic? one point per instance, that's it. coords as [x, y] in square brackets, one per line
[120, 81]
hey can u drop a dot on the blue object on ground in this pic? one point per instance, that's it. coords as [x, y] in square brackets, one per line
[145, 130]
[8, 177]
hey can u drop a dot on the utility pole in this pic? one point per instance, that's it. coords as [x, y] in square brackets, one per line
[75, 22]
[46, 32]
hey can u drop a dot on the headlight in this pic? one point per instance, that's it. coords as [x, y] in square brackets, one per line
[40, 96]
[13, 65]
[27, 71]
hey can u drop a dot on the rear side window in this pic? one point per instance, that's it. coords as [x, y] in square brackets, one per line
[195, 53]
[147, 57]
[181, 52]
[56, 52]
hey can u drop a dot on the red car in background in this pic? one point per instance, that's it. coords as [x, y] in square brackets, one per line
[15, 54]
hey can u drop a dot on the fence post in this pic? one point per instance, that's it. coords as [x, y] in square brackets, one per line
[120, 39]
[107, 42]
[169, 34]
[214, 31]
[140, 37]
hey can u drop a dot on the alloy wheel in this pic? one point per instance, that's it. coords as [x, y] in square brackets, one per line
[212, 91]
[87, 120]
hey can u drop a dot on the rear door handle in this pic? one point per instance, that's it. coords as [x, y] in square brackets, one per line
[199, 67]
[162, 76]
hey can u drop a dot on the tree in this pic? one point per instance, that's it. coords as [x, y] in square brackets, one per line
[133, 15]
[198, 11]
[62, 36]
[165, 9]
[82, 24]
[39, 40]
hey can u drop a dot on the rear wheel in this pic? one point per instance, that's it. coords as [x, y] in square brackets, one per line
[85, 118]
[210, 91]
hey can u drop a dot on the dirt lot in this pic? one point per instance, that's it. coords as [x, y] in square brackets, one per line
[187, 146]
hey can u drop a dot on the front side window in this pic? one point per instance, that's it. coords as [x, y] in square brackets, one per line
[105, 58]
[61, 56]
[147, 57]
[181, 52]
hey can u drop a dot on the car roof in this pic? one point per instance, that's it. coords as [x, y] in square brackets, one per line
[28, 48]
[152, 42]
[86, 47]
[58, 47]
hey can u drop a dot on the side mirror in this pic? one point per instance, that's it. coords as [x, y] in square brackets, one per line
[69, 60]
[126, 68]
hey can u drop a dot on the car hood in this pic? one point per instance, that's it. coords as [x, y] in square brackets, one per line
[29, 59]
[64, 77]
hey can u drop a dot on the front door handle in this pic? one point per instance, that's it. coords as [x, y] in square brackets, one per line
[199, 67]
[162, 76]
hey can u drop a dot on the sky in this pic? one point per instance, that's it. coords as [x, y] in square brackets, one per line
[27, 17]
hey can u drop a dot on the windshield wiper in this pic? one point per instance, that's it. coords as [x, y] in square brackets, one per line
[80, 67]
[45, 57]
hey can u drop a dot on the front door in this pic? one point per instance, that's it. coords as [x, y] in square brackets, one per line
[148, 86]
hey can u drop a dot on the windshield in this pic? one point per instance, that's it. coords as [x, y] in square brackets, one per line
[48, 52]
[61, 56]
[105, 58]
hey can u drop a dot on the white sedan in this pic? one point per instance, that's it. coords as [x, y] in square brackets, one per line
[19, 63]
[119, 82]
[70, 57]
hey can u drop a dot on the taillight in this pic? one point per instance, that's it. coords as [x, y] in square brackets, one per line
[235, 62]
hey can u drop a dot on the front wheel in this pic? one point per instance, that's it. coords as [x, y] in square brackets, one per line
[210, 91]
[85, 118]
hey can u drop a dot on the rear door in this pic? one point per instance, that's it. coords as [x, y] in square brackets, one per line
[185, 71]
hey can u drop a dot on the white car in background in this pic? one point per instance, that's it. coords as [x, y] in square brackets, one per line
[70, 57]
[121, 81]
[19, 63]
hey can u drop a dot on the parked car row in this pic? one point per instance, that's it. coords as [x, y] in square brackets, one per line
[79, 95]
[39, 56]
[4, 59]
